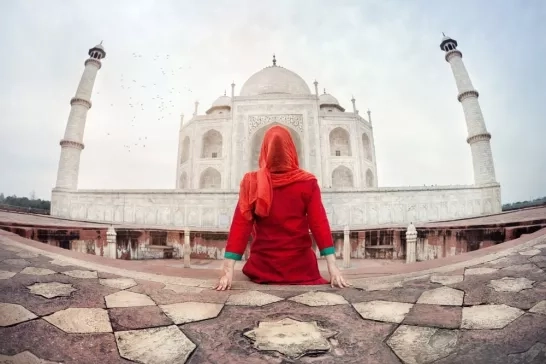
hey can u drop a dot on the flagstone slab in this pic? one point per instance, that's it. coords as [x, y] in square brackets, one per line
[535, 354]
[318, 298]
[84, 274]
[531, 268]
[445, 317]
[4, 274]
[384, 311]
[479, 271]
[386, 286]
[81, 320]
[27, 255]
[508, 284]
[25, 357]
[62, 263]
[182, 289]
[51, 289]
[119, 283]
[422, 345]
[11, 314]
[182, 313]
[447, 280]
[530, 252]
[37, 271]
[540, 246]
[133, 318]
[162, 345]
[487, 317]
[16, 261]
[446, 296]
[539, 308]
[252, 298]
[127, 299]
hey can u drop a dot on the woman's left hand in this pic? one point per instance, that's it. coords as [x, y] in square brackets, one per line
[336, 278]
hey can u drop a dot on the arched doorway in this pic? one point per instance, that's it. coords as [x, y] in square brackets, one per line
[256, 145]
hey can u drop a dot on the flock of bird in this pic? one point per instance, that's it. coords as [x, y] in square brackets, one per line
[136, 92]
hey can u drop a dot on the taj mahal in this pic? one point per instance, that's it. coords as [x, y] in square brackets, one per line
[216, 149]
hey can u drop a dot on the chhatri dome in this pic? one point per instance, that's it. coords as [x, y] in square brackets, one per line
[327, 100]
[221, 103]
[275, 80]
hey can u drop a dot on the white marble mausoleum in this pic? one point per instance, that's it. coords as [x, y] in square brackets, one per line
[217, 147]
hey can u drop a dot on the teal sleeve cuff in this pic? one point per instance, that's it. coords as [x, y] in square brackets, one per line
[328, 251]
[230, 255]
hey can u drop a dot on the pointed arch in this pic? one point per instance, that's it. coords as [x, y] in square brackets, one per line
[258, 137]
[185, 150]
[210, 178]
[342, 177]
[369, 179]
[212, 144]
[367, 146]
[340, 142]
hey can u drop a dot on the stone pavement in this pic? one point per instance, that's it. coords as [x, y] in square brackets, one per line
[55, 308]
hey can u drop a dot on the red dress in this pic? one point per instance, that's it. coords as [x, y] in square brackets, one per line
[281, 251]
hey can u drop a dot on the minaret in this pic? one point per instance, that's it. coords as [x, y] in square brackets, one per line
[72, 143]
[478, 136]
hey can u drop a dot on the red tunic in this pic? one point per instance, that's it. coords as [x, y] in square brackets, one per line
[281, 251]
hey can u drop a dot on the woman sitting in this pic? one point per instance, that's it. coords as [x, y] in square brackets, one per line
[278, 205]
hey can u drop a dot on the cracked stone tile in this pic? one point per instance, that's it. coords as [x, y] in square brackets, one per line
[119, 283]
[530, 252]
[508, 284]
[535, 354]
[11, 314]
[182, 289]
[6, 275]
[27, 255]
[182, 313]
[60, 262]
[317, 298]
[127, 299]
[81, 320]
[252, 298]
[25, 357]
[479, 271]
[487, 317]
[51, 289]
[155, 345]
[37, 271]
[539, 308]
[84, 274]
[523, 268]
[447, 280]
[290, 337]
[380, 286]
[385, 311]
[442, 296]
[16, 261]
[444, 317]
[422, 345]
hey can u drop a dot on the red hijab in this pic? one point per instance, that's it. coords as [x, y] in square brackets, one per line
[279, 166]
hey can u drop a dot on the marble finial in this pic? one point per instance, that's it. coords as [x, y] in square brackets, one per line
[274, 60]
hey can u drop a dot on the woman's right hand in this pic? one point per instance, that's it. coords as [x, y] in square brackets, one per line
[227, 275]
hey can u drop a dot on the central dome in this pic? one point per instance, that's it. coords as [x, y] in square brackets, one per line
[275, 80]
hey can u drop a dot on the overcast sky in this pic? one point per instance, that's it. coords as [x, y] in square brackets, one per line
[164, 55]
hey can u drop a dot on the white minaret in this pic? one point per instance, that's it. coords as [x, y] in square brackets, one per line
[478, 136]
[72, 143]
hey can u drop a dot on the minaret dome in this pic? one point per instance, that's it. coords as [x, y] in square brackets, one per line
[97, 52]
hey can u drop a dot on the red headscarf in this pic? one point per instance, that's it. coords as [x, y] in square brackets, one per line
[279, 166]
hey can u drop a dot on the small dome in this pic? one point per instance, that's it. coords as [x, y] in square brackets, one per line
[275, 80]
[223, 102]
[99, 46]
[327, 99]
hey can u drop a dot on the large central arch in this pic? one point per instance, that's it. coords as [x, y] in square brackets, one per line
[258, 137]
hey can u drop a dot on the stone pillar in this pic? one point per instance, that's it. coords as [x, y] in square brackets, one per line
[111, 240]
[346, 247]
[411, 244]
[187, 248]
[478, 136]
[72, 142]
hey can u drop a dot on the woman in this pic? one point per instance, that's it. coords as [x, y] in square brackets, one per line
[279, 204]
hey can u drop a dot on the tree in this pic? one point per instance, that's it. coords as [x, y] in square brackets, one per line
[32, 195]
[2, 198]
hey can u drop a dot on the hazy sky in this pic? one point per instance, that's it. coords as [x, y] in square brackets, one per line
[164, 55]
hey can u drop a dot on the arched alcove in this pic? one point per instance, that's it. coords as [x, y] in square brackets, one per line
[258, 137]
[185, 150]
[210, 178]
[340, 144]
[342, 177]
[183, 180]
[369, 179]
[367, 146]
[212, 144]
